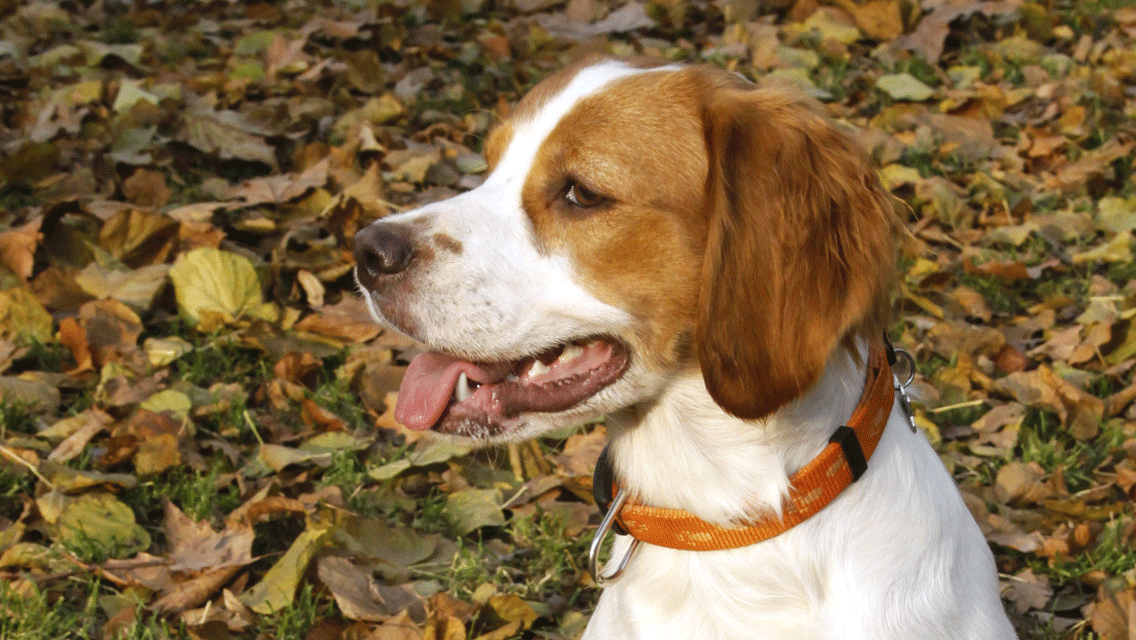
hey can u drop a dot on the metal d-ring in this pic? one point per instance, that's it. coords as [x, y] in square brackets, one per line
[901, 387]
[597, 540]
[910, 360]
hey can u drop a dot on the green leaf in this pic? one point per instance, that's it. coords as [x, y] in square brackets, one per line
[96, 520]
[904, 86]
[471, 509]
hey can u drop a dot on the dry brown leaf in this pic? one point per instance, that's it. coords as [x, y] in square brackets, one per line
[354, 590]
[283, 188]
[89, 423]
[138, 237]
[581, 451]
[298, 368]
[72, 335]
[1113, 614]
[972, 303]
[1004, 269]
[878, 19]
[195, 545]
[1020, 483]
[444, 629]
[112, 330]
[348, 319]
[193, 592]
[156, 454]
[228, 134]
[319, 418]
[146, 188]
[1028, 591]
[1092, 163]
[17, 248]
[399, 627]
[931, 33]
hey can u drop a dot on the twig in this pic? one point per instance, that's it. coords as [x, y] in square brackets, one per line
[31, 467]
[960, 405]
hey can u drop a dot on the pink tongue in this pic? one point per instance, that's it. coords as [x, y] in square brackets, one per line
[429, 383]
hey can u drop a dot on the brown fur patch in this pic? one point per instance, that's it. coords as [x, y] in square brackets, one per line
[799, 251]
[735, 215]
[531, 104]
[642, 250]
[447, 242]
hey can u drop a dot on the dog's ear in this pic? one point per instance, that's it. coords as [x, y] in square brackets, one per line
[798, 253]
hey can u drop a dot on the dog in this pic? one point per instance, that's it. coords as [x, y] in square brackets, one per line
[709, 264]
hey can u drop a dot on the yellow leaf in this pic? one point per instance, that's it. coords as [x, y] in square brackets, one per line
[211, 281]
[1118, 249]
[904, 86]
[102, 521]
[1117, 214]
[276, 590]
[163, 351]
[23, 318]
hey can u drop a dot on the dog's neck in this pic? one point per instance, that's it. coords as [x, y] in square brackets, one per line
[684, 452]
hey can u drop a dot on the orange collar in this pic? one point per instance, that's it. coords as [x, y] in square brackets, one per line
[811, 488]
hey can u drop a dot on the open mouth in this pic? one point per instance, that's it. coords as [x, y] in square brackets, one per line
[451, 395]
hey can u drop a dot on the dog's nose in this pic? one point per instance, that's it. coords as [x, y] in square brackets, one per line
[381, 249]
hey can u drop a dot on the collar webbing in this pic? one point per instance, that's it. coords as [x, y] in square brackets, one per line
[811, 488]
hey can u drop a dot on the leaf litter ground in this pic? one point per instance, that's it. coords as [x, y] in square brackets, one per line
[196, 435]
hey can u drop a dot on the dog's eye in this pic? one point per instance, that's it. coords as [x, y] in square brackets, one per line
[582, 197]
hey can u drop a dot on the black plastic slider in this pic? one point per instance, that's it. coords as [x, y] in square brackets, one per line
[853, 453]
[603, 488]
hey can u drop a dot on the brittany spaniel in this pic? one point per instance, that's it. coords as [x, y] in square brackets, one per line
[708, 264]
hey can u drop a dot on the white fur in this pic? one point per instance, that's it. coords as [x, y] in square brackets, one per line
[502, 298]
[896, 556]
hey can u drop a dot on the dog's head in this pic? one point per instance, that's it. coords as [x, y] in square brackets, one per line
[636, 222]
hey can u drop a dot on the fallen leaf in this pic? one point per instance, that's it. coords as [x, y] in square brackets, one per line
[210, 281]
[879, 19]
[471, 509]
[135, 288]
[1028, 591]
[278, 586]
[81, 429]
[96, 519]
[283, 188]
[930, 35]
[228, 134]
[23, 318]
[353, 589]
[195, 545]
[146, 188]
[1118, 249]
[17, 248]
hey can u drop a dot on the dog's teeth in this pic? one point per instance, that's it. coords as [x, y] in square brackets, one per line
[538, 368]
[461, 389]
[511, 377]
[571, 352]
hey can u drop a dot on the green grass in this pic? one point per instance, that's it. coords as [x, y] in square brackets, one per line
[296, 620]
[32, 614]
[548, 560]
[215, 361]
[196, 493]
[16, 416]
[1043, 441]
[1112, 552]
